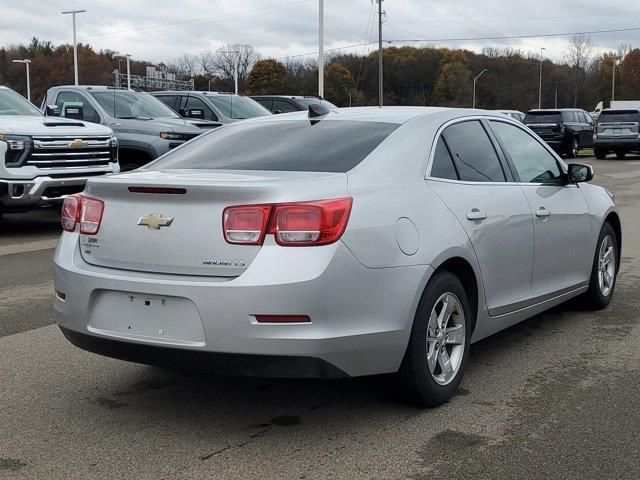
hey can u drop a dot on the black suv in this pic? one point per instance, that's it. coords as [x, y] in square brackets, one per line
[617, 131]
[289, 103]
[566, 130]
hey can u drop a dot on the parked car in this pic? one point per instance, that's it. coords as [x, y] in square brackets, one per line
[515, 114]
[290, 103]
[146, 128]
[324, 256]
[42, 159]
[215, 106]
[617, 131]
[566, 130]
[615, 105]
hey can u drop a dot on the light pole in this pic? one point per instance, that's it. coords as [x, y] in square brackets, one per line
[128, 55]
[475, 80]
[210, 84]
[380, 71]
[556, 104]
[75, 43]
[26, 62]
[321, 48]
[540, 85]
[349, 92]
[236, 59]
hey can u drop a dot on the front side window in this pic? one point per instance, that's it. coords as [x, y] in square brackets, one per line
[69, 99]
[473, 154]
[197, 104]
[532, 161]
[296, 145]
[569, 117]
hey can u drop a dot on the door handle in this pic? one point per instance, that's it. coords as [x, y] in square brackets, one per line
[476, 214]
[542, 212]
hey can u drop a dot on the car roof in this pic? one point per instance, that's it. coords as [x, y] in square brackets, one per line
[556, 110]
[397, 115]
[292, 97]
[195, 92]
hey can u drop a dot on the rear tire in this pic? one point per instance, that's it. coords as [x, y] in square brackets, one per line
[620, 154]
[434, 362]
[604, 270]
[600, 154]
[573, 148]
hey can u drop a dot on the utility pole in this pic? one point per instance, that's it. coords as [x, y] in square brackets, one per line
[475, 80]
[380, 73]
[540, 86]
[613, 80]
[556, 104]
[321, 48]
[75, 43]
[26, 62]
[236, 60]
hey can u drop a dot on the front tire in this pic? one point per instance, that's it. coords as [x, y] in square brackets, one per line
[620, 154]
[573, 148]
[439, 344]
[604, 270]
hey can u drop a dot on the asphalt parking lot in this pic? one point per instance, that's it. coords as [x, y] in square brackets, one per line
[553, 397]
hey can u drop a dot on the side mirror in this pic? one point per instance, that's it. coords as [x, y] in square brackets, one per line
[579, 173]
[182, 112]
[196, 113]
[51, 111]
[277, 112]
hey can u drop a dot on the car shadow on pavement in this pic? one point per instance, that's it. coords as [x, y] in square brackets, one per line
[31, 225]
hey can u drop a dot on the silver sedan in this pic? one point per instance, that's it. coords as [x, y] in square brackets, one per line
[332, 244]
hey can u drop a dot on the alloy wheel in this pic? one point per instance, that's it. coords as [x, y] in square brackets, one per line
[445, 338]
[606, 265]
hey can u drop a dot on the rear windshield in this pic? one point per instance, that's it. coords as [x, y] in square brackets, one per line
[543, 117]
[619, 116]
[299, 145]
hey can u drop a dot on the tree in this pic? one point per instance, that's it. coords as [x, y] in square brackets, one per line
[266, 77]
[630, 75]
[223, 61]
[454, 84]
[578, 56]
[339, 83]
[185, 66]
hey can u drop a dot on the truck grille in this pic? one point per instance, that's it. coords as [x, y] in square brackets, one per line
[68, 152]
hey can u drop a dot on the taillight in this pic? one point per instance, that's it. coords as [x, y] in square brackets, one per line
[310, 223]
[90, 215]
[86, 211]
[70, 213]
[246, 225]
[293, 224]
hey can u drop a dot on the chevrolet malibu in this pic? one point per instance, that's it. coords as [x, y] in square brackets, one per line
[334, 243]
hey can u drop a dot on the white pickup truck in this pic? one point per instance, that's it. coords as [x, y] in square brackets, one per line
[44, 159]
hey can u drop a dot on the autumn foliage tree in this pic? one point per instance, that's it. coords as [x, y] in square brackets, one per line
[266, 77]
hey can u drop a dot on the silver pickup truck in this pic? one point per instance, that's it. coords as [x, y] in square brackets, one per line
[44, 159]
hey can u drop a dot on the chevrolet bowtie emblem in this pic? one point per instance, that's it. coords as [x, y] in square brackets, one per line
[154, 221]
[78, 143]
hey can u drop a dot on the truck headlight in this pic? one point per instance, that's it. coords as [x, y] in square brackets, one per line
[18, 148]
[113, 142]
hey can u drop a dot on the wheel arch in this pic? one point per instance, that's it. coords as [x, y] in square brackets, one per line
[613, 219]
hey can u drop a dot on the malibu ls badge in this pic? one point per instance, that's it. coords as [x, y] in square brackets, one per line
[154, 221]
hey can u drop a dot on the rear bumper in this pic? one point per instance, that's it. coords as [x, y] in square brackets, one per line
[273, 366]
[361, 318]
[31, 193]
[612, 143]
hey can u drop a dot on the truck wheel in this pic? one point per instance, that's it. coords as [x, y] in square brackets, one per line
[600, 153]
[620, 154]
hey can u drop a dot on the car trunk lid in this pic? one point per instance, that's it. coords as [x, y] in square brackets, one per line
[619, 125]
[170, 221]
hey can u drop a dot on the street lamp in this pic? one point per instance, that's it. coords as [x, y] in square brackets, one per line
[26, 63]
[475, 80]
[349, 92]
[75, 43]
[321, 48]
[540, 85]
[236, 54]
[613, 79]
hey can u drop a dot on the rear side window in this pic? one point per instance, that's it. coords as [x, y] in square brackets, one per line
[569, 117]
[619, 116]
[297, 145]
[282, 106]
[473, 154]
[168, 100]
[442, 166]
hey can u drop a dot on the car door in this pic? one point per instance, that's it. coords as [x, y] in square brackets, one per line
[562, 221]
[469, 176]
[588, 130]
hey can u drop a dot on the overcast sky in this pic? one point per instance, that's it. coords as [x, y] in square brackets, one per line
[161, 30]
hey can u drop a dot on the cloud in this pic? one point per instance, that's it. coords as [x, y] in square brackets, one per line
[160, 31]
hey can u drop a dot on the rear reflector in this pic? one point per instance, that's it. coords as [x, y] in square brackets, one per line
[283, 319]
[246, 225]
[86, 211]
[159, 190]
